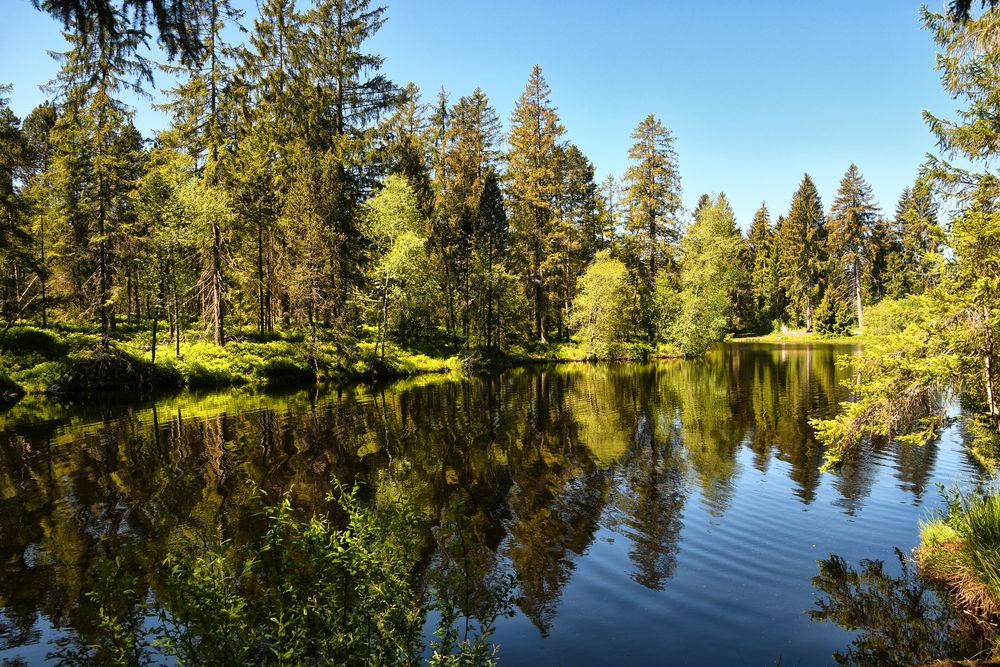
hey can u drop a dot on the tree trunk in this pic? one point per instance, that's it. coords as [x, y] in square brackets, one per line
[152, 348]
[217, 306]
[857, 293]
[43, 274]
[991, 397]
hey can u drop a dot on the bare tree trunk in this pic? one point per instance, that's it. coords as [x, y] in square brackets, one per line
[991, 397]
[217, 309]
[857, 293]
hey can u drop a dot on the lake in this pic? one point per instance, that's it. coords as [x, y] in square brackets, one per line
[664, 512]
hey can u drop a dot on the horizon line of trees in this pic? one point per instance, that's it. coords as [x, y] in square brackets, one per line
[298, 187]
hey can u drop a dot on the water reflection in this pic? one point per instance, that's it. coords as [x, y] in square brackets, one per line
[900, 619]
[542, 460]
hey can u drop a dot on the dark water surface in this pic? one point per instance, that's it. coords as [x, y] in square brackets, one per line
[661, 513]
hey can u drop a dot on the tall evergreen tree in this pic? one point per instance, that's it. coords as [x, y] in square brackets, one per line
[466, 152]
[764, 277]
[96, 158]
[800, 240]
[38, 188]
[853, 237]
[15, 242]
[269, 101]
[653, 186]
[916, 240]
[203, 126]
[533, 169]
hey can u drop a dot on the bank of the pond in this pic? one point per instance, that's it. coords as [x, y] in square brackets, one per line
[810, 338]
[961, 550]
[66, 361]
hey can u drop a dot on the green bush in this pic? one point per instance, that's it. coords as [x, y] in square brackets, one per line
[303, 591]
[100, 369]
[833, 317]
[282, 370]
[892, 316]
[24, 347]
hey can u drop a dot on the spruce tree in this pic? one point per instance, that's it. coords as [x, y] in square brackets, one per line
[763, 269]
[15, 242]
[533, 183]
[38, 188]
[95, 163]
[653, 187]
[800, 241]
[465, 154]
[203, 125]
[853, 237]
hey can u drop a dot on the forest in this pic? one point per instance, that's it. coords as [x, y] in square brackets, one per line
[302, 219]
[299, 195]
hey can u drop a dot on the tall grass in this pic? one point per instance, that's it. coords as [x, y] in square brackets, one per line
[962, 549]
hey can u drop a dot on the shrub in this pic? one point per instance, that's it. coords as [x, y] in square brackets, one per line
[601, 308]
[282, 370]
[305, 590]
[891, 316]
[24, 347]
[833, 316]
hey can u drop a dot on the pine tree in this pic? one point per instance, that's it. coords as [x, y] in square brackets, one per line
[268, 101]
[653, 186]
[492, 246]
[916, 239]
[466, 153]
[853, 236]
[533, 183]
[577, 232]
[800, 242]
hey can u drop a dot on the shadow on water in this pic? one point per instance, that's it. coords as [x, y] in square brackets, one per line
[551, 464]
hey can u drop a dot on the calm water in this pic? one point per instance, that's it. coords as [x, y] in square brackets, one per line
[669, 512]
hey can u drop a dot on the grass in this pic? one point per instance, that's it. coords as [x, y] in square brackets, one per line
[961, 549]
[68, 359]
[801, 337]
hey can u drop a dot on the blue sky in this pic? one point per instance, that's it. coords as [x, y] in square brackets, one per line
[756, 93]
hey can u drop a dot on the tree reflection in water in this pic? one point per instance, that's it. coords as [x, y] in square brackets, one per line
[540, 459]
[900, 619]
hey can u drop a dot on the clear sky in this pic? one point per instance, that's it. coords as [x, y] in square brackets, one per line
[756, 93]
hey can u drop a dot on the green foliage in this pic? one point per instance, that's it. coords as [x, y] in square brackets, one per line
[892, 316]
[600, 313]
[710, 274]
[833, 317]
[801, 259]
[24, 347]
[302, 591]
